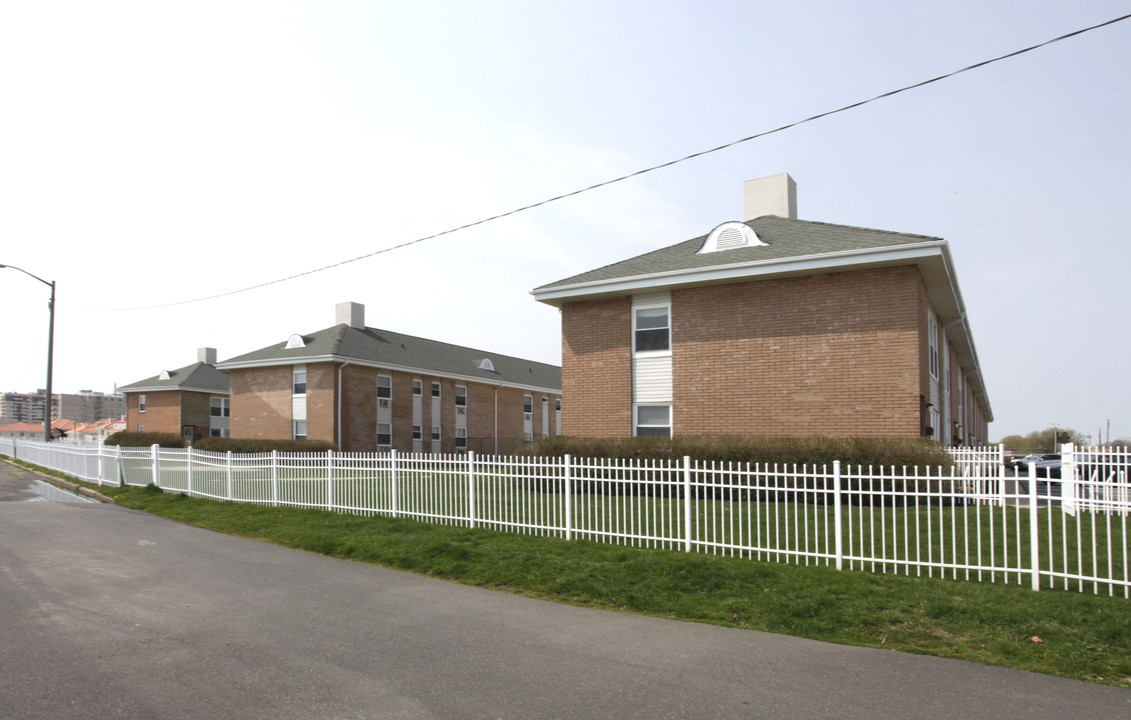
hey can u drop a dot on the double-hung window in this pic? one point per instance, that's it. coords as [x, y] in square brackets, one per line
[299, 385]
[384, 386]
[141, 404]
[384, 435]
[651, 329]
[220, 407]
[654, 421]
[461, 396]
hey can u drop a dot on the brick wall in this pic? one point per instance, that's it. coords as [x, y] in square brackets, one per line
[261, 402]
[162, 412]
[835, 354]
[597, 368]
[196, 410]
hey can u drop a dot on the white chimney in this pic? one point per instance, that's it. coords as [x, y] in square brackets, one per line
[352, 314]
[206, 356]
[774, 195]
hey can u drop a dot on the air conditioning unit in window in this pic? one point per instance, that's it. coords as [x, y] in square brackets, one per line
[528, 416]
[461, 411]
[383, 402]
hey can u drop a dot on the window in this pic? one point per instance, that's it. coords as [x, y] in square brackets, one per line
[141, 428]
[652, 330]
[384, 386]
[417, 387]
[384, 434]
[461, 396]
[559, 402]
[527, 437]
[654, 421]
[461, 439]
[219, 432]
[933, 343]
[435, 389]
[417, 433]
[436, 432]
[299, 385]
[220, 407]
[141, 405]
[300, 430]
[528, 403]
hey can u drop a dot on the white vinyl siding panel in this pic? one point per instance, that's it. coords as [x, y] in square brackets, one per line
[652, 379]
[298, 407]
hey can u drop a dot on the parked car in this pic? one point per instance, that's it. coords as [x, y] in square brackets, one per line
[1047, 466]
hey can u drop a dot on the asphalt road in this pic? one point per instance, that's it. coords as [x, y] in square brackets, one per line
[111, 613]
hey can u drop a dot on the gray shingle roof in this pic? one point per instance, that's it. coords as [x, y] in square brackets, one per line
[784, 239]
[198, 376]
[390, 349]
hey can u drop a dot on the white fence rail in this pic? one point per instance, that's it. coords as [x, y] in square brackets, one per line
[975, 521]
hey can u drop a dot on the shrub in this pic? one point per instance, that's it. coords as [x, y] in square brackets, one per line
[244, 445]
[140, 439]
[867, 451]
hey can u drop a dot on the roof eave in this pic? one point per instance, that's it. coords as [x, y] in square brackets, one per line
[734, 272]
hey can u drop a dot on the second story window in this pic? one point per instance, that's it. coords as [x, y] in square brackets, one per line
[435, 389]
[220, 407]
[528, 403]
[299, 385]
[651, 329]
[141, 404]
[384, 386]
[417, 387]
[461, 396]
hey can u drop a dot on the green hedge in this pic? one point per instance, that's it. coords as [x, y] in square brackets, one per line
[873, 451]
[140, 439]
[241, 445]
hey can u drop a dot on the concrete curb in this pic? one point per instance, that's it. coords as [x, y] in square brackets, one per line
[65, 484]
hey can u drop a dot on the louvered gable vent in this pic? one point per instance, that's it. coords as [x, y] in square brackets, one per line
[730, 235]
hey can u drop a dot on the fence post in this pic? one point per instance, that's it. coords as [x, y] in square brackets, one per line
[189, 463]
[275, 478]
[15, 449]
[121, 469]
[687, 503]
[228, 473]
[155, 449]
[1068, 478]
[471, 487]
[394, 498]
[838, 519]
[330, 480]
[567, 492]
[101, 474]
[1034, 524]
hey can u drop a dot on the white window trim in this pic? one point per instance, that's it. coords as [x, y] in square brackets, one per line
[635, 419]
[652, 353]
[141, 404]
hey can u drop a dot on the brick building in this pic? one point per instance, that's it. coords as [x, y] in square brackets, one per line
[191, 401]
[773, 326]
[368, 390]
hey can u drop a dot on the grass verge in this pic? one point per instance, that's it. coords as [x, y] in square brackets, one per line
[1069, 634]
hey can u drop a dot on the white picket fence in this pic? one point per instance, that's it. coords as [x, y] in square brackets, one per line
[973, 522]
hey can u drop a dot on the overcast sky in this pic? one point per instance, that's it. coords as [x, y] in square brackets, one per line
[154, 153]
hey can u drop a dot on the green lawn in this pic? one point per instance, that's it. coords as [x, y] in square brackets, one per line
[1072, 634]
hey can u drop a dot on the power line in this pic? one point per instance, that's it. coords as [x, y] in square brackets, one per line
[644, 171]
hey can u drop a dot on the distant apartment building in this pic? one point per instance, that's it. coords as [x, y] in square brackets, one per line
[26, 407]
[88, 406]
[84, 407]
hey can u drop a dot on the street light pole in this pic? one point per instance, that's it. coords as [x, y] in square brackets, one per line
[50, 349]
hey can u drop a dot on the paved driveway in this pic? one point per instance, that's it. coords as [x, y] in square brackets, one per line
[111, 613]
